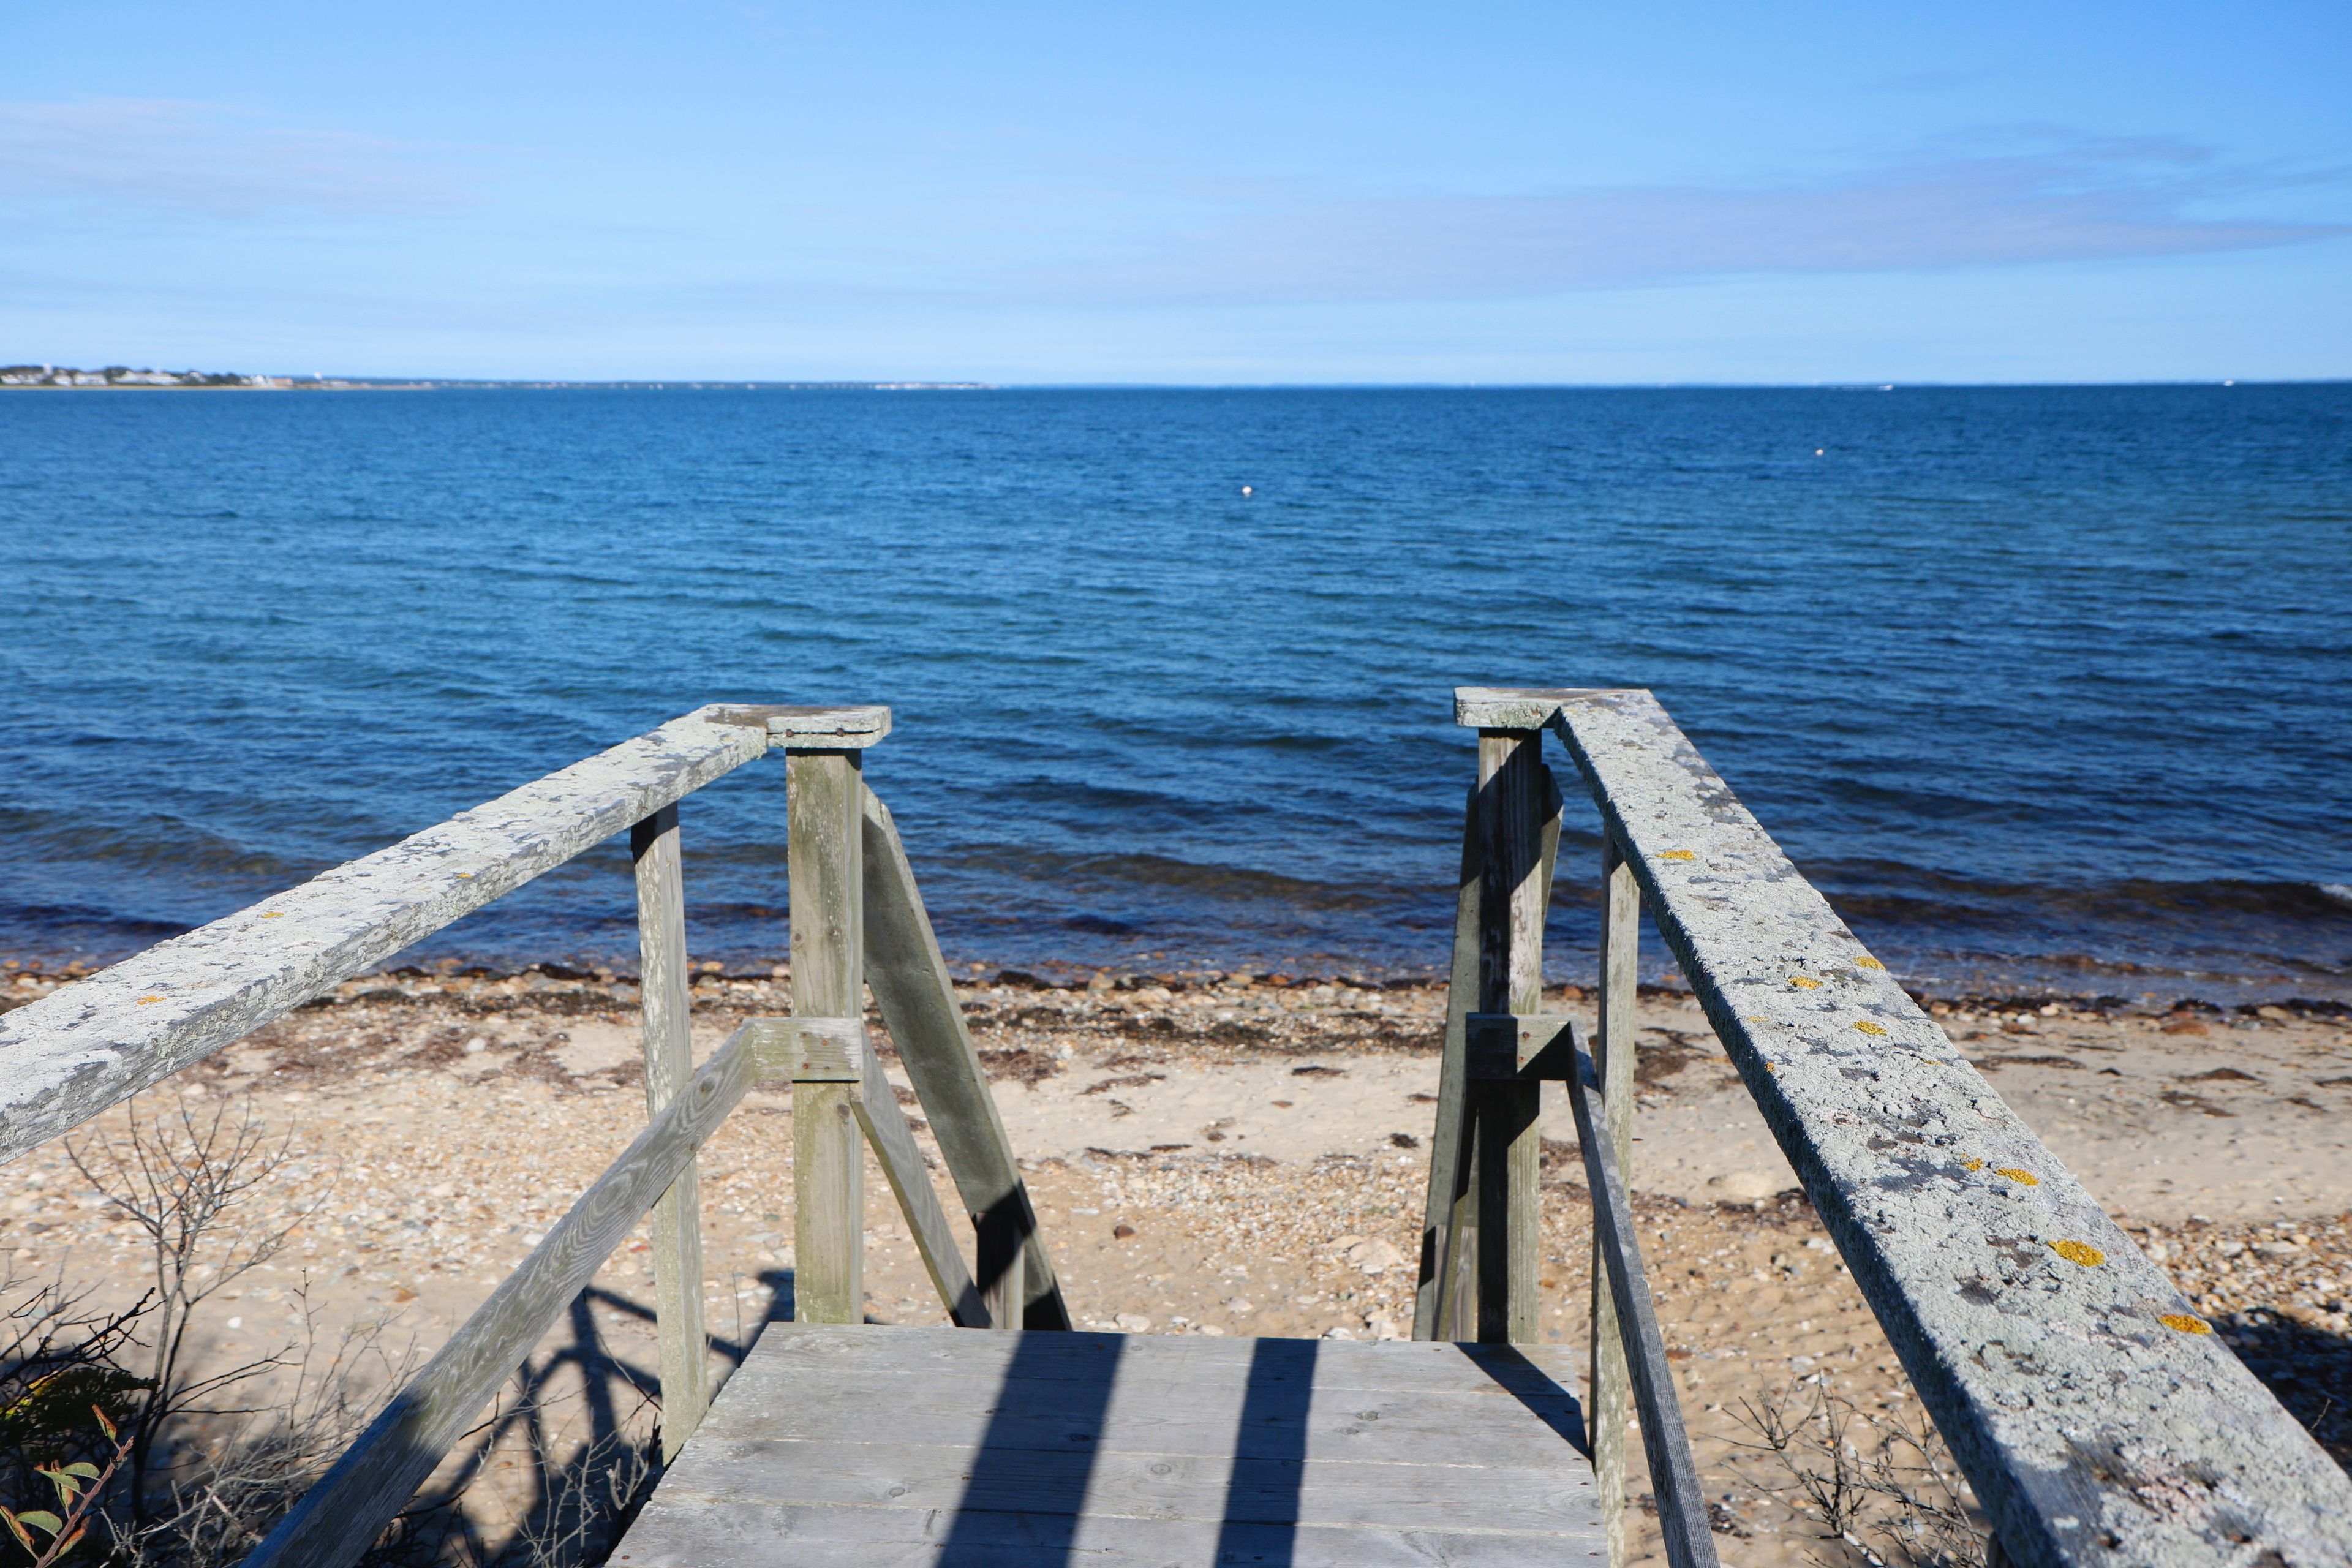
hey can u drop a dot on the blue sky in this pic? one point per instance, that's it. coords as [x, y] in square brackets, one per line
[1204, 192]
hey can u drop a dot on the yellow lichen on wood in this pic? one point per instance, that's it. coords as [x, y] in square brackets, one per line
[1972, 1164]
[1866, 961]
[2023, 1178]
[144, 1000]
[2081, 1252]
[1867, 1027]
[2183, 1324]
[1805, 982]
[1676, 854]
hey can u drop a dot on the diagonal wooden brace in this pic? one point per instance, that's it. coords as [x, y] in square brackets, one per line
[1520, 1047]
[835, 1050]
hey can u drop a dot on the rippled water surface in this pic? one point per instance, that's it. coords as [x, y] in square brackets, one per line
[2044, 687]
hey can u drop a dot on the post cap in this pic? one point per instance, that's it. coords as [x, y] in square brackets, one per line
[815, 728]
[1515, 707]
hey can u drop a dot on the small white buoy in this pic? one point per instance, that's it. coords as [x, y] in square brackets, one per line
[1818, 450]
[1247, 492]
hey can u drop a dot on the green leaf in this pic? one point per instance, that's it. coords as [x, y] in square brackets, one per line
[41, 1519]
[83, 1469]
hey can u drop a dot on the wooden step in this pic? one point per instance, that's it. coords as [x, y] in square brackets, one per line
[950, 1449]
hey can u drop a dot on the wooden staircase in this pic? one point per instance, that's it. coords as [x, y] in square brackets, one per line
[882, 1446]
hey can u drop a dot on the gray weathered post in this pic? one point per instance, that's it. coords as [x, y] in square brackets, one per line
[1621, 931]
[1449, 1218]
[1511, 799]
[828, 916]
[670, 1062]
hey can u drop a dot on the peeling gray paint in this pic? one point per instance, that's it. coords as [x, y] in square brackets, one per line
[2031, 1326]
[79, 1049]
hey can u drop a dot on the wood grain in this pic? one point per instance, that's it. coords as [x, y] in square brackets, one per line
[1674, 1478]
[892, 1444]
[826, 850]
[1613, 1050]
[918, 1006]
[665, 1009]
[1512, 794]
[895, 1151]
[2065, 1398]
[1444, 1296]
[73, 1053]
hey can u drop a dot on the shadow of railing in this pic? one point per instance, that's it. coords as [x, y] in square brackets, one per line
[1533, 1387]
[1263, 1493]
[584, 1500]
[1030, 1474]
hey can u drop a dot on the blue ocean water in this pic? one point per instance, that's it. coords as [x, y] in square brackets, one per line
[2044, 687]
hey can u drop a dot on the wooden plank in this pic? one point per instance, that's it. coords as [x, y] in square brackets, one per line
[1401, 1367]
[666, 1011]
[1674, 1478]
[1555, 1499]
[872, 1444]
[1613, 1399]
[696, 1535]
[1444, 1296]
[1183, 1411]
[86, 1045]
[1512, 794]
[902, 1166]
[826, 846]
[1514, 1047]
[339, 1517]
[2096, 1419]
[918, 1006]
[841, 728]
[812, 1050]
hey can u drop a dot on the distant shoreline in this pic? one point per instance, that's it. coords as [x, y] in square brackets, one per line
[121, 378]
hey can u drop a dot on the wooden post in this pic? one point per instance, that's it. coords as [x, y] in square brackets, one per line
[1450, 1212]
[670, 1062]
[828, 915]
[1621, 934]
[1512, 794]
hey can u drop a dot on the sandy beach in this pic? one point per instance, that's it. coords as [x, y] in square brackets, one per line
[1235, 1156]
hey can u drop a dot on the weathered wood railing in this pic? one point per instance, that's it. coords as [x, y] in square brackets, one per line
[857, 922]
[2098, 1418]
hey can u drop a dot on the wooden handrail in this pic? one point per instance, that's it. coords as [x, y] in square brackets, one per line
[1682, 1506]
[2098, 1418]
[341, 1517]
[70, 1056]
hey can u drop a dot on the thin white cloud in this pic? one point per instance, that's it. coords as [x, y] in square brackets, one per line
[2104, 200]
[213, 160]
